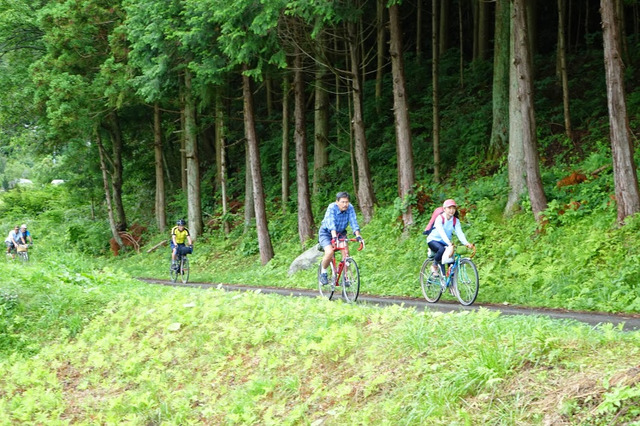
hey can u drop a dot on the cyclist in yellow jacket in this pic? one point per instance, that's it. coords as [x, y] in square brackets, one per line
[179, 234]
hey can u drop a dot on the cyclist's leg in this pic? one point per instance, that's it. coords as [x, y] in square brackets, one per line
[324, 239]
[438, 249]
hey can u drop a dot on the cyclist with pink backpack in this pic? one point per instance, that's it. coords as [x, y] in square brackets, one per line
[440, 230]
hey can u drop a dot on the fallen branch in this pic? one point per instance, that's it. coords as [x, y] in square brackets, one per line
[160, 244]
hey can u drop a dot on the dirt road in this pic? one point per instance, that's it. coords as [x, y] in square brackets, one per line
[630, 322]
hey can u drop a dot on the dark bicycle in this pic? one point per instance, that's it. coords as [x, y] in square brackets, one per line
[181, 267]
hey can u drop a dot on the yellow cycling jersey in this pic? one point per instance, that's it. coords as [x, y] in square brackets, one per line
[181, 236]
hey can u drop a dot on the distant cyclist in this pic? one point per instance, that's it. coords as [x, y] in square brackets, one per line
[440, 238]
[24, 236]
[179, 235]
[334, 226]
[12, 239]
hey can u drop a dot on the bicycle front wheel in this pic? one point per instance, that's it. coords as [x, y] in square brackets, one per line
[350, 280]
[173, 272]
[23, 256]
[184, 270]
[466, 282]
[326, 290]
[430, 282]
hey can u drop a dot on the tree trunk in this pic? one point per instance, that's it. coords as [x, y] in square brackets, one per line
[194, 209]
[160, 205]
[435, 64]
[264, 240]
[624, 168]
[443, 37]
[517, 180]
[406, 174]
[461, 47]
[381, 48]
[183, 158]
[500, 126]
[221, 163]
[116, 176]
[321, 123]
[522, 62]
[305, 216]
[286, 88]
[107, 192]
[562, 62]
[366, 198]
[249, 204]
[418, 30]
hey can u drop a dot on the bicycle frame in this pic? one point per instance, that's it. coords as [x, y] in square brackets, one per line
[343, 246]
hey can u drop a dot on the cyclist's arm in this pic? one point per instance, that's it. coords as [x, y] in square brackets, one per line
[460, 234]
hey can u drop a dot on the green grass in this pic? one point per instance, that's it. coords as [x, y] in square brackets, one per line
[155, 355]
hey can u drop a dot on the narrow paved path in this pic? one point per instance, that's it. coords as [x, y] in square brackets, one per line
[630, 322]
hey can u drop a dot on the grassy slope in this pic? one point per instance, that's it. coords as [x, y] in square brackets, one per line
[154, 354]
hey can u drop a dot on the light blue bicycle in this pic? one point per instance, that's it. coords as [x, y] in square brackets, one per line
[462, 279]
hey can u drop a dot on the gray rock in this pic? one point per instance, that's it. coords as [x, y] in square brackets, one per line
[306, 260]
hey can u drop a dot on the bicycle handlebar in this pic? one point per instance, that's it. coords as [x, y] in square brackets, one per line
[353, 240]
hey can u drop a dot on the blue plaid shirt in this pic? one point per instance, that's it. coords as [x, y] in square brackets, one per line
[336, 220]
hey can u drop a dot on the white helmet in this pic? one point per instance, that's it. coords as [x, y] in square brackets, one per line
[23, 226]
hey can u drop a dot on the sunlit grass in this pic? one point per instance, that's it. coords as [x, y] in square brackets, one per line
[148, 354]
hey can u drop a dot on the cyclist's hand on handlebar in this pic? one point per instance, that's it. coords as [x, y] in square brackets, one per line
[361, 241]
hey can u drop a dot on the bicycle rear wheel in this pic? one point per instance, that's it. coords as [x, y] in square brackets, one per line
[326, 290]
[184, 270]
[466, 282]
[430, 283]
[350, 280]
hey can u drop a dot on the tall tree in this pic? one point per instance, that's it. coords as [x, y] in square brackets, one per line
[264, 241]
[500, 87]
[305, 216]
[406, 174]
[515, 159]
[522, 61]
[221, 158]
[366, 197]
[286, 88]
[194, 204]
[321, 119]
[562, 69]
[160, 199]
[435, 96]
[624, 168]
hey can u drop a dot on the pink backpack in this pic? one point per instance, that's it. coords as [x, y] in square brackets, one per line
[437, 212]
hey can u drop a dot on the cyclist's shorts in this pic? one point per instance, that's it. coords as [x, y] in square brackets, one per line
[9, 244]
[324, 237]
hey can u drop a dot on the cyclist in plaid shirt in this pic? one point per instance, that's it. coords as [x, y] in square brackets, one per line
[334, 226]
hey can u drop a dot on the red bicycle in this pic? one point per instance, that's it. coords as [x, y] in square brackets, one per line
[345, 274]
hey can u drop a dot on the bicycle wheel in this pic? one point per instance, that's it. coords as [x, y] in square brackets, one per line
[23, 256]
[184, 270]
[350, 280]
[326, 290]
[174, 272]
[466, 282]
[431, 285]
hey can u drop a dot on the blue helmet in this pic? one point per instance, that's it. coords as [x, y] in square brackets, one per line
[181, 222]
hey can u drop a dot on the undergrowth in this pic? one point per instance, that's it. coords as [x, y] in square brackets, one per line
[179, 356]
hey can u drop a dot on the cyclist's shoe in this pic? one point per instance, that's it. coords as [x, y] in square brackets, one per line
[175, 267]
[324, 279]
[435, 271]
